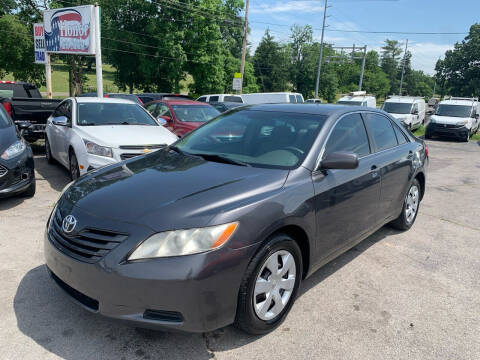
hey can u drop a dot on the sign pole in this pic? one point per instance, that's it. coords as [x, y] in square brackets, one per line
[48, 75]
[98, 53]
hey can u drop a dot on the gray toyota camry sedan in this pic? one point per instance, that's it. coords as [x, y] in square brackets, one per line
[222, 226]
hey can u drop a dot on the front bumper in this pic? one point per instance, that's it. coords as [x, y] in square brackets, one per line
[195, 293]
[447, 130]
[19, 174]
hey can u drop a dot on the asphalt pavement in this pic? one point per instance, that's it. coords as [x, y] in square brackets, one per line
[396, 295]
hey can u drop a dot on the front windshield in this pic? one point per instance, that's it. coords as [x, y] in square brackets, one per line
[194, 113]
[258, 138]
[103, 113]
[462, 111]
[351, 103]
[397, 108]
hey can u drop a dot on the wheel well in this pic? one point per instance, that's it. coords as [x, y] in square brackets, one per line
[300, 236]
[421, 179]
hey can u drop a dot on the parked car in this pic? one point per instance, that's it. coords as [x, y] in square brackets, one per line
[455, 117]
[225, 106]
[17, 173]
[204, 233]
[358, 98]
[149, 97]
[84, 134]
[410, 111]
[24, 103]
[181, 116]
[131, 97]
[272, 98]
[313, 101]
[220, 98]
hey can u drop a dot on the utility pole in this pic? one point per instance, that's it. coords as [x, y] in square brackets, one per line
[363, 68]
[403, 68]
[434, 87]
[98, 53]
[244, 43]
[319, 70]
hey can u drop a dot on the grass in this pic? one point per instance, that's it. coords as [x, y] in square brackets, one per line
[420, 131]
[475, 137]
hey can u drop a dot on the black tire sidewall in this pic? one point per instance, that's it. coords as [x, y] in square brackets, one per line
[73, 156]
[252, 323]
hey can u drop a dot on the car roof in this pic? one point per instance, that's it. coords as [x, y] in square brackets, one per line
[180, 101]
[459, 102]
[86, 99]
[315, 109]
[403, 99]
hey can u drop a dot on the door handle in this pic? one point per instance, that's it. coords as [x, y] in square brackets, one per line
[374, 171]
[410, 154]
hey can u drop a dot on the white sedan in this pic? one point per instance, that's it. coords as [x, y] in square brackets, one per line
[85, 133]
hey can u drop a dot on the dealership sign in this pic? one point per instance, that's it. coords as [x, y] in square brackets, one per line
[70, 30]
[39, 44]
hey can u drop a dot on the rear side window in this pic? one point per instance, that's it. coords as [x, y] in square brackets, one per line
[381, 130]
[236, 99]
[202, 99]
[213, 99]
[299, 99]
[400, 135]
[349, 135]
[291, 98]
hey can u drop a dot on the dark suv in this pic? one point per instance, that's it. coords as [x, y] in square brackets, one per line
[222, 226]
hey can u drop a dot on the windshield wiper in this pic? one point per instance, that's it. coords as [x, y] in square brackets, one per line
[220, 158]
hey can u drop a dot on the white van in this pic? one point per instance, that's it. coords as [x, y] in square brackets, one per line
[358, 98]
[220, 98]
[408, 110]
[455, 117]
[273, 98]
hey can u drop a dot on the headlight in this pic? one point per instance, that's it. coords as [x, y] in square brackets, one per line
[96, 149]
[461, 123]
[15, 149]
[184, 242]
[432, 121]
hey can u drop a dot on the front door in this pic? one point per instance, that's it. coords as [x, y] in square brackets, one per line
[346, 201]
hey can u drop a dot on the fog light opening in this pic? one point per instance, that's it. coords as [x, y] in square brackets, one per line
[161, 315]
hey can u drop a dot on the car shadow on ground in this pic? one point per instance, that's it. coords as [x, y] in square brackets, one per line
[55, 174]
[46, 315]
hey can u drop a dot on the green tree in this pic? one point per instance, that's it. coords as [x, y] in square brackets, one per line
[270, 63]
[390, 62]
[16, 49]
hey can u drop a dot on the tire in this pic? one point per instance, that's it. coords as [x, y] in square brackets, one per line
[411, 202]
[48, 152]
[30, 192]
[428, 136]
[252, 317]
[466, 138]
[74, 169]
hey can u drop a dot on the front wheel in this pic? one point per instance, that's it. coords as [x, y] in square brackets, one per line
[74, 169]
[410, 208]
[48, 152]
[269, 286]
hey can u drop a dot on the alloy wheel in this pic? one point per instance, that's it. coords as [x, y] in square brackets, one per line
[411, 203]
[274, 285]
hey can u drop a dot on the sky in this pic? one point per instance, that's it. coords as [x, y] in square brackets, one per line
[371, 15]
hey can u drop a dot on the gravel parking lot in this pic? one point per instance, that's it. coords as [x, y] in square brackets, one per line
[412, 295]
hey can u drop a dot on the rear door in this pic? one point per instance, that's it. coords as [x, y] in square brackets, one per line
[394, 159]
[346, 201]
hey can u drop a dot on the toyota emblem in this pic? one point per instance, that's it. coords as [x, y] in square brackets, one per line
[69, 223]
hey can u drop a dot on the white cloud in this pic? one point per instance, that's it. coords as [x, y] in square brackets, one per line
[425, 55]
[288, 6]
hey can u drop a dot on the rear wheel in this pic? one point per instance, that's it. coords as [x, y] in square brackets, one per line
[269, 286]
[74, 169]
[410, 208]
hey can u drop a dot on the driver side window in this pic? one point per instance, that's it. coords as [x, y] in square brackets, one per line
[163, 110]
[349, 135]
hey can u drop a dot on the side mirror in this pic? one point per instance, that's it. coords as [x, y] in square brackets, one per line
[340, 160]
[164, 119]
[60, 121]
[23, 125]
[477, 116]
[415, 112]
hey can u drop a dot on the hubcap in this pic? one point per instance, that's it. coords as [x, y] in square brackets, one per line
[274, 285]
[411, 203]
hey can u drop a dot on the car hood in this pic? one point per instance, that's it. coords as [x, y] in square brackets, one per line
[166, 190]
[451, 120]
[8, 136]
[116, 135]
[400, 116]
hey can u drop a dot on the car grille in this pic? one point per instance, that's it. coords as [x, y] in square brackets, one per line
[3, 171]
[126, 156]
[89, 245]
[142, 147]
[446, 126]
